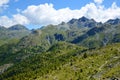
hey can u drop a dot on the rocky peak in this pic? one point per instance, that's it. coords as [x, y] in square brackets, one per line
[113, 21]
[83, 19]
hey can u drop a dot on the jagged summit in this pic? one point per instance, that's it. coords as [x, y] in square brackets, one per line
[72, 21]
[83, 19]
[82, 22]
[113, 21]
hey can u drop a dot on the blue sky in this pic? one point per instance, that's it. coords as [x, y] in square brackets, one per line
[36, 13]
[58, 4]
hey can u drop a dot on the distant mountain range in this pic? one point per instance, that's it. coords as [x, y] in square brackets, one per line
[83, 31]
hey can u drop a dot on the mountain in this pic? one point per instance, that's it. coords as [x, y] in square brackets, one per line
[2, 28]
[52, 34]
[81, 49]
[82, 31]
[14, 32]
[18, 27]
[100, 36]
[113, 21]
[83, 22]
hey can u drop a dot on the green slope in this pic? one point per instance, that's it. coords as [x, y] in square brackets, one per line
[64, 61]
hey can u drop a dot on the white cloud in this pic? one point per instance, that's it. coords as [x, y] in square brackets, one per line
[20, 19]
[98, 1]
[16, 19]
[45, 14]
[5, 21]
[3, 2]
